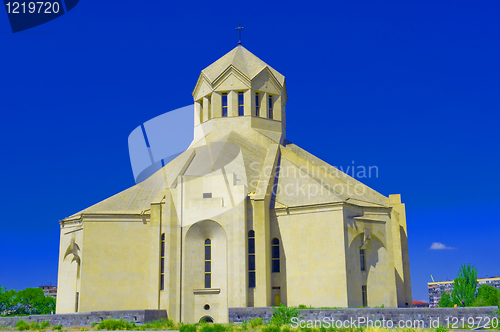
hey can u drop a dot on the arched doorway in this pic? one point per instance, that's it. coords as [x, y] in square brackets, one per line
[206, 319]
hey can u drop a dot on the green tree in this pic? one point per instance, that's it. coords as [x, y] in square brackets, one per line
[32, 301]
[464, 287]
[445, 301]
[7, 300]
[487, 296]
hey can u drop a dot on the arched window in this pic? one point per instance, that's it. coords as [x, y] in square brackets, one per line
[251, 259]
[275, 255]
[208, 263]
[162, 262]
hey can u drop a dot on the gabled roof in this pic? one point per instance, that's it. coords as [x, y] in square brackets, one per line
[242, 59]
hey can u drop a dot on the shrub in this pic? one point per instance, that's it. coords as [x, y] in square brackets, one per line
[283, 315]
[93, 324]
[57, 327]
[162, 324]
[303, 306]
[213, 328]
[83, 328]
[44, 324]
[271, 328]
[115, 324]
[21, 325]
[441, 328]
[35, 326]
[244, 325]
[255, 322]
[187, 328]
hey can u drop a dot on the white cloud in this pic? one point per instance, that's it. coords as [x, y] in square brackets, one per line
[439, 246]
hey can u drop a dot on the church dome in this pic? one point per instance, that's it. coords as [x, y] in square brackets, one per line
[240, 85]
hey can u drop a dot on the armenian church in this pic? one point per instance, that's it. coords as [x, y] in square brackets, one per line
[243, 217]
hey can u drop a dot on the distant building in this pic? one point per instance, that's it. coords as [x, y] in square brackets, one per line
[437, 288]
[49, 290]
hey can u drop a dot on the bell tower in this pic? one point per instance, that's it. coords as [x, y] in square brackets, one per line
[240, 85]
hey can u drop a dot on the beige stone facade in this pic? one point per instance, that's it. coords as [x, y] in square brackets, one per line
[242, 218]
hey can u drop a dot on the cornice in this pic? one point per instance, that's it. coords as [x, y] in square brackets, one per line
[331, 206]
[99, 217]
[310, 208]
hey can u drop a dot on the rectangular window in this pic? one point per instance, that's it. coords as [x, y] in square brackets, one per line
[224, 105]
[275, 255]
[251, 259]
[208, 280]
[362, 260]
[251, 279]
[77, 299]
[276, 265]
[207, 195]
[256, 104]
[162, 262]
[270, 108]
[241, 104]
[251, 262]
[364, 296]
[208, 263]
[251, 245]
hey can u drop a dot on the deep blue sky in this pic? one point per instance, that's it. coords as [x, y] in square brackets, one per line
[411, 87]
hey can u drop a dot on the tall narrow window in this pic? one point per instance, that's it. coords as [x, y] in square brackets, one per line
[251, 259]
[364, 296]
[162, 262]
[362, 260]
[270, 108]
[256, 104]
[208, 263]
[275, 255]
[77, 299]
[241, 104]
[224, 104]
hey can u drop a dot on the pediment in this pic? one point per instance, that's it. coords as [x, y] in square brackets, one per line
[231, 79]
[203, 87]
[266, 82]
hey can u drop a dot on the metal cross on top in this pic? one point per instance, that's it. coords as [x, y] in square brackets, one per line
[239, 28]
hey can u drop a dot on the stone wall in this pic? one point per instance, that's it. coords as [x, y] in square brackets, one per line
[415, 317]
[409, 317]
[85, 318]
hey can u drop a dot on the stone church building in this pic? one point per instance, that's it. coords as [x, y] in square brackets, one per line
[242, 218]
